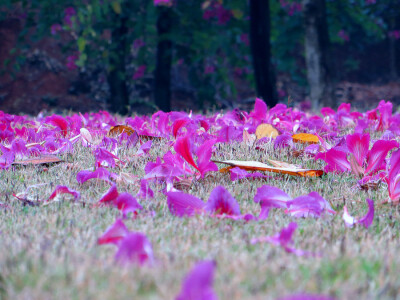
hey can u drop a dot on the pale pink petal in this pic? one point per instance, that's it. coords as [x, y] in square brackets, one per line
[114, 234]
[221, 202]
[184, 205]
[311, 205]
[134, 248]
[198, 284]
[269, 197]
[349, 221]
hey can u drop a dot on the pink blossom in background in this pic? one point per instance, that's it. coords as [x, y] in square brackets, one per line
[55, 28]
[209, 69]
[343, 35]
[394, 34]
[71, 62]
[370, 1]
[217, 10]
[291, 6]
[69, 12]
[139, 72]
[138, 43]
[244, 38]
[163, 2]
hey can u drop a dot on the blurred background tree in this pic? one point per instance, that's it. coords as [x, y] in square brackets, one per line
[140, 55]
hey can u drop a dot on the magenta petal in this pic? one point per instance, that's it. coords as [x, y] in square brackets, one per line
[114, 234]
[336, 160]
[221, 202]
[145, 148]
[177, 125]
[60, 122]
[309, 205]
[182, 146]
[369, 217]
[393, 179]
[134, 248]
[181, 204]
[260, 110]
[378, 154]
[62, 189]
[99, 173]
[268, 197]
[198, 284]
[204, 153]
[110, 195]
[358, 145]
[126, 203]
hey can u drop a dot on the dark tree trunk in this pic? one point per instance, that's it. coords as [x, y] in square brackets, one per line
[317, 46]
[116, 77]
[261, 50]
[162, 85]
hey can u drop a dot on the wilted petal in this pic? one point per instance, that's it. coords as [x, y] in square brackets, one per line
[378, 154]
[270, 196]
[114, 234]
[184, 205]
[336, 160]
[347, 218]
[221, 202]
[134, 248]
[99, 173]
[198, 284]
[62, 189]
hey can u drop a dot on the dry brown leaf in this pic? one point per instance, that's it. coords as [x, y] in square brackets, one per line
[305, 138]
[183, 184]
[226, 169]
[259, 166]
[119, 129]
[146, 138]
[266, 130]
[45, 159]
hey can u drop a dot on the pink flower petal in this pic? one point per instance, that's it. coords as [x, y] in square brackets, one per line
[260, 110]
[311, 205]
[198, 284]
[60, 122]
[393, 179]
[369, 217]
[204, 153]
[109, 196]
[182, 146]
[336, 160]
[184, 205]
[126, 203]
[269, 197]
[358, 145]
[378, 154]
[99, 173]
[134, 248]
[62, 189]
[145, 191]
[221, 202]
[114, 234]
[145, 148]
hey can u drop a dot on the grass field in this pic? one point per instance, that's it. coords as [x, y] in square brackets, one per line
[51, 251]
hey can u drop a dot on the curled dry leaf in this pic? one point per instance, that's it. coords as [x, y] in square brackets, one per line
[259, 166]
[266, 130]
[183, 184]
[41, 160]
[120, 129]
[305, 138]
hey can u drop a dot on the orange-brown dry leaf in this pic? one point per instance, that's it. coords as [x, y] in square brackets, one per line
[266, 130]
[46, 159]
[305, 138]
[226, 169]
[258, 166]
[119, 129]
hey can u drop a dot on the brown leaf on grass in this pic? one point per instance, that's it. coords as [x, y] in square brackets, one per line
[120, 129]
[297, 153]
[226, 169]
[259, 166]
[372, 185]
[42, 160]
[183, 184]
[305, 138]
[266, 130]
[145, 138]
